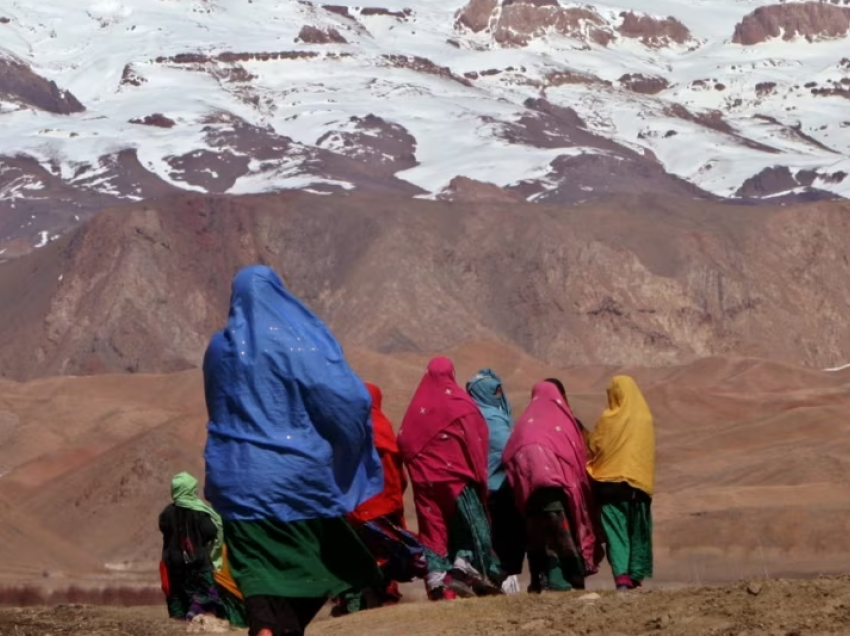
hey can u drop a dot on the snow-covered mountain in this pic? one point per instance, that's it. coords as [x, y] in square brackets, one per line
[107, 101]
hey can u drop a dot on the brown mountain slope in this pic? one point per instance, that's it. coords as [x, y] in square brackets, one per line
[113, 501]
[58, 424]
[87, 462]
[641, 280]
[32, 552]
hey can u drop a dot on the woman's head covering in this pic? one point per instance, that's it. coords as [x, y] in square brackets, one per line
[548, 421]
[560, 386]
[438, 402]
[622, 445]
[184, 494]
[385, 438]
[484, 389]
[487, 391]
[290, 434]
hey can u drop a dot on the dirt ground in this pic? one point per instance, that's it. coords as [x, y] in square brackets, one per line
[818, 607]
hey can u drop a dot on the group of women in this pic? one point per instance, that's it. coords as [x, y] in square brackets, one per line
[306, 478]
[555, 492]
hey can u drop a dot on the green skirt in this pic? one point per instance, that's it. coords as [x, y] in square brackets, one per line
[313, 558]
[469, 538]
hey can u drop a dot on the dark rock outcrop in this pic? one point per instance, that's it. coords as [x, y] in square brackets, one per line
[519, 21]
[810, 20]
[778, 179]
[516, 22]
[768, 182]
[313, 35]
[476, 15]
[645, 85]
[654, 32]
[375, 141]
[21, 85]
[157, 119]
[424, 65]
[130, 77]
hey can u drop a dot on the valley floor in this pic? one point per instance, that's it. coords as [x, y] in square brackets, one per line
[815, 607]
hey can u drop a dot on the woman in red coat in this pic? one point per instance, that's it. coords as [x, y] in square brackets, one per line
[444, 441]
[380, 523]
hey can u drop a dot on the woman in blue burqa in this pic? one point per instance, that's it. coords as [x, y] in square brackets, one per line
[289, 452]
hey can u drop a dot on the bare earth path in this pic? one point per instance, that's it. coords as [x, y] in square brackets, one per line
[818, 607]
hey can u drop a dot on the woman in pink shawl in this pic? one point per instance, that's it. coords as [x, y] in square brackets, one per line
[444, 442]
[545, 460]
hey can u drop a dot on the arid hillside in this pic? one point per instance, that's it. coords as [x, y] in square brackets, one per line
[724, 314]
[753, 475]
[639, 280]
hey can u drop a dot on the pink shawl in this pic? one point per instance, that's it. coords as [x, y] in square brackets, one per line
[546, 449]
[443, 441]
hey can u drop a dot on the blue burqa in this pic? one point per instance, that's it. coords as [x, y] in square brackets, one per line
[290, 432]
[495, 408]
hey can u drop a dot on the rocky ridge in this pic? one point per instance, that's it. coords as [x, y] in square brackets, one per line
[809, 20]
[650, 280]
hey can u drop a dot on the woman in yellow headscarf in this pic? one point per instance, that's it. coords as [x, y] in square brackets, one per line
[621, 462]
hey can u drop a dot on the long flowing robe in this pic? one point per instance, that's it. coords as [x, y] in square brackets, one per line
[546, 450]
[289, 446]
[390, 501]
[444, 443]
[507, 524]
[290, 433]
[622, 461]
[380, 523]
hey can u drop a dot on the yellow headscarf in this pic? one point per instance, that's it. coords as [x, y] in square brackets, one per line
[622, 446]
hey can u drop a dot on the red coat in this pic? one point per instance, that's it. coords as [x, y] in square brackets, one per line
[390, 500]
[444, 442]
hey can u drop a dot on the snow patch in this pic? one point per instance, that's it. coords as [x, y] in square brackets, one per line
[86, 46]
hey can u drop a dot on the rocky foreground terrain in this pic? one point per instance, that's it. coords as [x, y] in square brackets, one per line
[763, 608]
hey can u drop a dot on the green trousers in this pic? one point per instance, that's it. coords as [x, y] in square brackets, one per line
[628, 531]
[469, 539]
[553, 557]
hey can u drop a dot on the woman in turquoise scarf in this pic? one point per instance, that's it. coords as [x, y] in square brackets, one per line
[508, 525]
